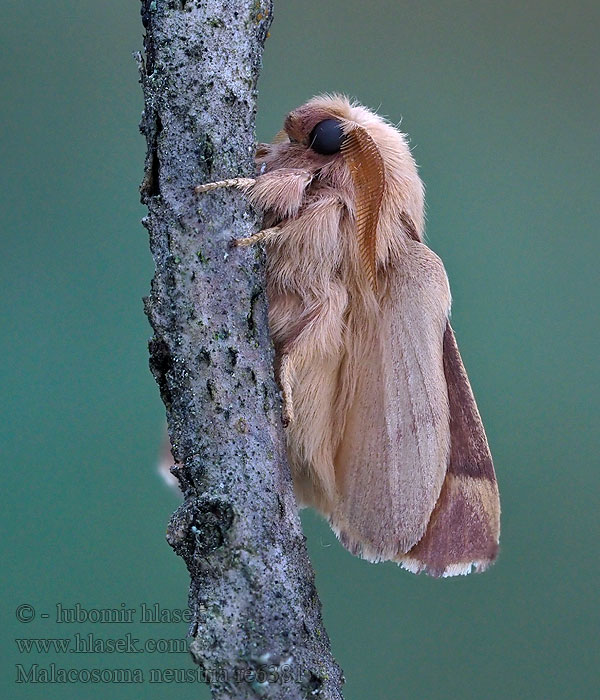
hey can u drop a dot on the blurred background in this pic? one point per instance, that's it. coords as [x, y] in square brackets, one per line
[500, 100]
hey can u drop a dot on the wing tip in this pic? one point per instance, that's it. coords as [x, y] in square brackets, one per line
[413, 564]
[360, 548]
[440, 556]
[460, 568]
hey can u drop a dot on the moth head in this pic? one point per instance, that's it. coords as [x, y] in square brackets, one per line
[355, 151]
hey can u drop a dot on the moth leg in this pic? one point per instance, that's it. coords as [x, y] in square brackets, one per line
[285, 381]
[241, 182]
[264, 235]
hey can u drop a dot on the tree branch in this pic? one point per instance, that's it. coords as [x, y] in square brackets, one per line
[256, 615]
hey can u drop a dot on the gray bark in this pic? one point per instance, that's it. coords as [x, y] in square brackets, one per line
[257, 623]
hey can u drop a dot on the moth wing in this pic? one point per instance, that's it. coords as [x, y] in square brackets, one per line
[464, 528]
[395, 441]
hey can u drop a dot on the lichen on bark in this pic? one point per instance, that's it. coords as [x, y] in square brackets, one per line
[257, 628]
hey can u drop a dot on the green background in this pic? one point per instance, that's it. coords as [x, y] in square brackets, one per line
[501, 103]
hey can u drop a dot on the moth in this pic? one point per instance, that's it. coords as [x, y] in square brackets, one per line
[384, 437]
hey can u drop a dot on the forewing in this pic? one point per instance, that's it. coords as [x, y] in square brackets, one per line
[395, 442]
[464, 529]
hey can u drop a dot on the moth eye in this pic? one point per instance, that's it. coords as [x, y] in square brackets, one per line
[327, 137]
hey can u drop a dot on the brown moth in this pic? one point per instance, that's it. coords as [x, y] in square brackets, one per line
[383, 434]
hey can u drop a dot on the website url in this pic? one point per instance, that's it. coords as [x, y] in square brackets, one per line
[91, 644]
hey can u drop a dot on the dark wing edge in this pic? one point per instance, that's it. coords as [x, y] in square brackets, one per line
[464, 528]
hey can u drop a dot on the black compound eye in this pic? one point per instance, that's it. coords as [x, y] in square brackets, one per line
[327, 137]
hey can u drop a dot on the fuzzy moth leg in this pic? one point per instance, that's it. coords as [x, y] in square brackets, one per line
[285, 381]
[241, 182]
[264, 235]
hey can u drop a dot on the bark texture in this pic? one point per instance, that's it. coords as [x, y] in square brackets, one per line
[257, 624]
